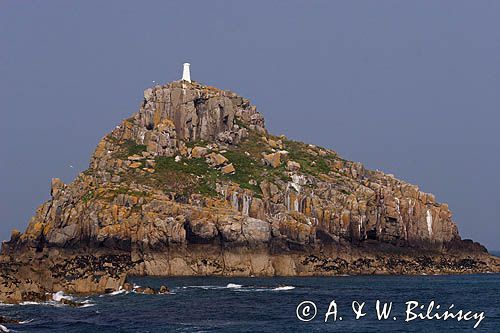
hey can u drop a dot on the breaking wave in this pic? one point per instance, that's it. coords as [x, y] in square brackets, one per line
[242, 288]
[114, 293]
[284, 288]
[234, 285]
[60, 295]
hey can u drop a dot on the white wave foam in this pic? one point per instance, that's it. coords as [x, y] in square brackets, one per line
[6, 304]
[240, 287]
[26, 321]
[60, 295]
[50, 303]
[4, 329]
[263, 288]
[284, 288]
[56, 301]
[87, 305]
[204, 287]
[32, 303]
[251, 289]
[234, 285]
[116, 292]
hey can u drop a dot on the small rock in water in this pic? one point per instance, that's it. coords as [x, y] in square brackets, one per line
[127, 286]
[71, 303]
[149, 291]
[164, 290]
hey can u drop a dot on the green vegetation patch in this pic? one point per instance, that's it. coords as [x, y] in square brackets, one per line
[187, 176]
[192, 144]
[246, 170]
[127, 148]
[195, 166]
[195, 175]
[133, 148]
[249, 166]
[88, 196]
[309, 163]
[128, 191]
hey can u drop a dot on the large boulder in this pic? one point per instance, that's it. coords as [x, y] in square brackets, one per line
[273, 159]
[216, 159]
[198, 152]
[201, 230]
[255, 230]
[228, 168]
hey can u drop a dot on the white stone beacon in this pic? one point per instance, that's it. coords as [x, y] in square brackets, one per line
[186, 75]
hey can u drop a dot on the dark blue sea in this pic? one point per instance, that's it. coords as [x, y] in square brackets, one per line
[210, 304]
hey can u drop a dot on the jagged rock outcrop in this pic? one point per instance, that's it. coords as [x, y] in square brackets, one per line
[193, 184]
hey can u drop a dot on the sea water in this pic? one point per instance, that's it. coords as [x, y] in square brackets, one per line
[212, 304]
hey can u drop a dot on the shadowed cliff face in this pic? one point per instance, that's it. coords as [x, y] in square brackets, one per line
[194, 184]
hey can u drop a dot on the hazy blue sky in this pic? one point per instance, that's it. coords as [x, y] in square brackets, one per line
[407, 87]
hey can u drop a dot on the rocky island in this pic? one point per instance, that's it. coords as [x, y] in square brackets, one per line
[194, 184]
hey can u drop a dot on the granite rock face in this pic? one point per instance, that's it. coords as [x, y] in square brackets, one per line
[193, 184]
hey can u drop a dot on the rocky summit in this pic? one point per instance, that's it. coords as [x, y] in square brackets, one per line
[194, 184]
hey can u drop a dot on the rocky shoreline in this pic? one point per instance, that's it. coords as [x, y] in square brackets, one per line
[37, 279]
[194, 184]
